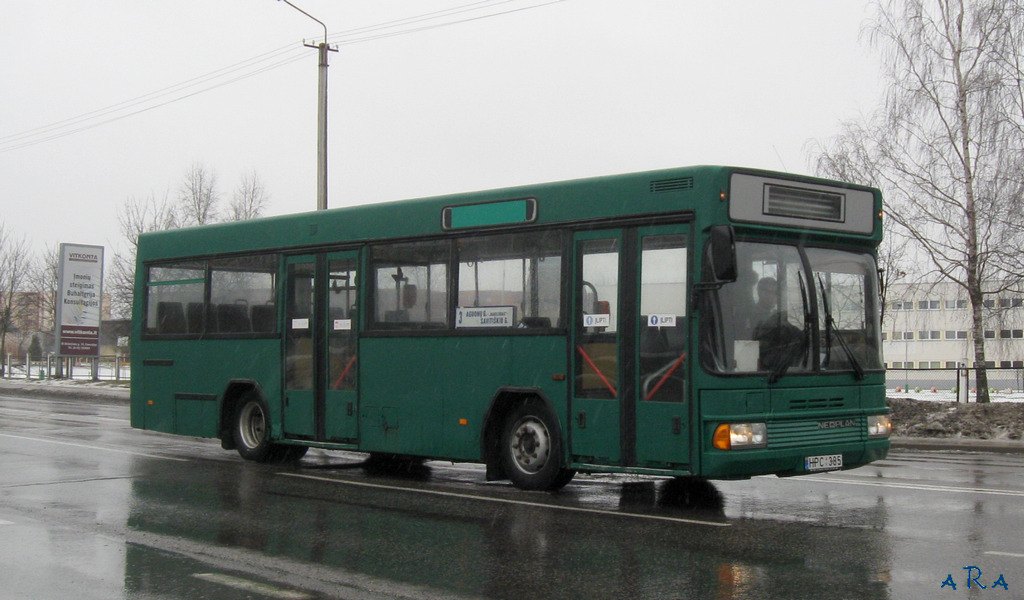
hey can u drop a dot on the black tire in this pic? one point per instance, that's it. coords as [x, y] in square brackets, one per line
[531, 449]
[251, 430]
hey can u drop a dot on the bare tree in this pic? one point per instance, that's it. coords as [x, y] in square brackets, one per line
[136, 217]
[945, 147]
[43, 281]
[249, 200]
[14, 267]
[197, 197]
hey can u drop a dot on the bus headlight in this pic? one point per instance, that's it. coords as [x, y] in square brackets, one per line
[730, 436]
[879, 426]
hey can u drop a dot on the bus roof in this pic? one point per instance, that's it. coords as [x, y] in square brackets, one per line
[634, 194]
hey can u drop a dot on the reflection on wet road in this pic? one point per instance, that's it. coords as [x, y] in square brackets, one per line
[90, 508]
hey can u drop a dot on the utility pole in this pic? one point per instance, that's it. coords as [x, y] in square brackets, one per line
[321, 136]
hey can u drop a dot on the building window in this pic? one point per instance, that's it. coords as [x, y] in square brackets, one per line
[927, 305]
[990, 334]
[956, 304]
[929, 335]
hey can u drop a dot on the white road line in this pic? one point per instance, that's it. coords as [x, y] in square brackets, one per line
[247, 585]
[919, 486]
[90, 447]
[1010, 554]
[509, 501]
[2, 523]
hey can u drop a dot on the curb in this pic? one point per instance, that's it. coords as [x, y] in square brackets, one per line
[958, 445]
[84, 390]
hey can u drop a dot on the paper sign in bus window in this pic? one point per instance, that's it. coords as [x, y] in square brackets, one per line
[597, 320]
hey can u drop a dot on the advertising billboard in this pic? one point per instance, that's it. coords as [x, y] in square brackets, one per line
[79, 300]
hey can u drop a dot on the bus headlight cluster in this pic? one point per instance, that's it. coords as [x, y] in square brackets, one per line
[729, 436]
[879, 426]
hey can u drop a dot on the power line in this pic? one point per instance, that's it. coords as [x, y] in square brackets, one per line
[245, 69]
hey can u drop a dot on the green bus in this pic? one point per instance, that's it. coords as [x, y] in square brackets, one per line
[707, 321]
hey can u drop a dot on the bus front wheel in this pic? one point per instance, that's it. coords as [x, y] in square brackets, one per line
[531, 449]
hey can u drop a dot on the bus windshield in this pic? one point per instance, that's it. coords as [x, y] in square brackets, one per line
[794, 310]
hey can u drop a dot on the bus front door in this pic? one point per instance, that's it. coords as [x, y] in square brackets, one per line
[320, 398]
[629, 404]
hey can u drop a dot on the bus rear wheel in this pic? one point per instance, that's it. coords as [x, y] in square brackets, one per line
[531, 449]
[251, 433]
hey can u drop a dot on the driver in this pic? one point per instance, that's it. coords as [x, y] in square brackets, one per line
[771, 327]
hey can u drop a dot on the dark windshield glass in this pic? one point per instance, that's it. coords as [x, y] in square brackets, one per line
[775, 317]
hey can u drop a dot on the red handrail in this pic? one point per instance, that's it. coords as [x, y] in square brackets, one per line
[348, 367]
[597, 371]
[665, 377]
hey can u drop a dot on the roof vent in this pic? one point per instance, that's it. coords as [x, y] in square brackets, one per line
[672, 185]
[800, 203]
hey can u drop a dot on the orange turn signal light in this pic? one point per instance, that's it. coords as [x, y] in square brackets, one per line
[722, 438]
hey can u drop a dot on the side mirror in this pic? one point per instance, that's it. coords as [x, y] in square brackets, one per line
[722, 253]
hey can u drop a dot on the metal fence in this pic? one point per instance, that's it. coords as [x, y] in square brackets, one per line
[958, 384]
[104, 368]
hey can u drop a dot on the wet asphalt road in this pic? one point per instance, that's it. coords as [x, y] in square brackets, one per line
[92, 509]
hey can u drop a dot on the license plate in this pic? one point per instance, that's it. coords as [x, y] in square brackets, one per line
[825, 462]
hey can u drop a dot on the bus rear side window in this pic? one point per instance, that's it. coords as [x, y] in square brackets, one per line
[173, 293]
[232, 296]
[243, 295]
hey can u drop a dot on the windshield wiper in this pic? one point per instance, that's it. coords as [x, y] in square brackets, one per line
[830, 327]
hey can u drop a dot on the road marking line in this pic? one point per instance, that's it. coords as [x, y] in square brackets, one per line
[1010, 554]
[2, 522]
[247, 585]
[89, 447]
[920, 486]
[509, 501]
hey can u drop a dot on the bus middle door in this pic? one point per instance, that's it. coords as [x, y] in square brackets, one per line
[321, 324]
[629, 348]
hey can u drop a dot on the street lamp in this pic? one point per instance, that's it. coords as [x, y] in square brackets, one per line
[321, 136]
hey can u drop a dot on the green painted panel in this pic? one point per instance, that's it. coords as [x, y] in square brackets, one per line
[415, 393]
[185, 367]
[595, 430]
[663, 433]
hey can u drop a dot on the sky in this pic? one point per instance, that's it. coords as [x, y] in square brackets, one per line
[110, 100]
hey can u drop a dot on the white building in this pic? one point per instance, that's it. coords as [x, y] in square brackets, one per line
[929, 326]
